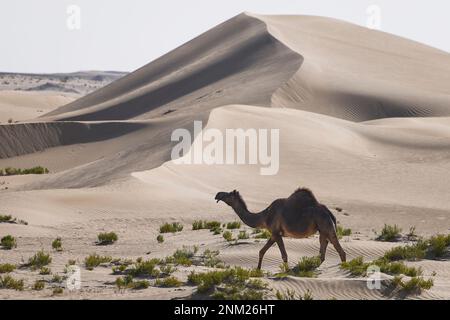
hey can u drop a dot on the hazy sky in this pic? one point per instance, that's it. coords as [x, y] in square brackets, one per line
[126, 34]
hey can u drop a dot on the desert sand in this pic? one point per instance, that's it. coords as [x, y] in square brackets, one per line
[364, 120]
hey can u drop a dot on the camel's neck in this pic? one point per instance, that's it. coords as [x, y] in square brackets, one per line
[253, 220]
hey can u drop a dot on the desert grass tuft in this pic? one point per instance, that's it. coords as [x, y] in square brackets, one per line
[107, 238]
[204, 224]
[94, 260]
[8, 242]
[145, 268]
[307, 267]
[128, 282]
[17, 171]
[171, 227]
[39, 260]
[38, 285]
[8, 282]
[243, 235]
[263, 234]
[292, 295]
[234, 225]
[228, 236]
[341, 231]
[228, 284]
[6, 218]
[7, 268]
[45, 271]
[169, 282]
[57, 244]
[390, 233]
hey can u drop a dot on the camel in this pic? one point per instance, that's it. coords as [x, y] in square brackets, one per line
[298, 216]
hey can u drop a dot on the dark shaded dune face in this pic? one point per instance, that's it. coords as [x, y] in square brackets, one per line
[28, 138]
[236, 62]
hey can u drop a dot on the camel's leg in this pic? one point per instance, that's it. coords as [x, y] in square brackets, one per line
[323, 246]
[280, 244]
[262, 252]
[334, 240]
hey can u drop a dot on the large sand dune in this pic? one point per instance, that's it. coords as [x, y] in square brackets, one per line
[364, 121]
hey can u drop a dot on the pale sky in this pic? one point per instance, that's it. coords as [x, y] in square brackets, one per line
[124, 35]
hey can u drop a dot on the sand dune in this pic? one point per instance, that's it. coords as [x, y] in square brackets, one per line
[364, 120]
[19, 106]
[350, 73]
[204, 73]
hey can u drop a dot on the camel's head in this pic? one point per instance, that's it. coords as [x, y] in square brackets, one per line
[229, 198]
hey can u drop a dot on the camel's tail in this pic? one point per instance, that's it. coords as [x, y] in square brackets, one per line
[332, 218]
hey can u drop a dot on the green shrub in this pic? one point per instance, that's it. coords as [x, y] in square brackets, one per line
[237, 292]
[6, 218]
[227, 235]
[243, 235]
[14, 171]
[341, 232]
[291, 295]
[145, 268]
[8, 282]
[94, 260]
[106, 238]
[8, 242]
[307, 266]
[167, 269]
[415, 285]
[45, 271]
[184, 256]
[171, 227]
[140, 284]
[169, 282]
[128, 283]
[284, 270]
[265, 234]
[412, 235]
[56, 278]
[203, 224]
[39, 260]
[395, 268]
[438, 245]
[356, 266]
[390, 233]
[57, 244]
[39, 285]
[413, 252]
[160, 238]
[234, 225]
[256, 273]
[7, 268]
[119, 269]
[230, 284]
[210, 259]
[58, 291]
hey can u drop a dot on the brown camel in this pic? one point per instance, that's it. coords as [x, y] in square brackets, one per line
[298, 216]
